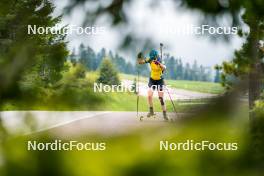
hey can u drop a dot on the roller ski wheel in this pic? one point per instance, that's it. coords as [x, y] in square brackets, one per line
[166, 118]
[148, 117]
[151, 115]
[169, 119]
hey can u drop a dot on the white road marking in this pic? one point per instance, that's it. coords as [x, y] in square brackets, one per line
[25, 122]
[67, 122]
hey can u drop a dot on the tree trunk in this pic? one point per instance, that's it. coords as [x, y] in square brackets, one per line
[255, 84]
[255, 75]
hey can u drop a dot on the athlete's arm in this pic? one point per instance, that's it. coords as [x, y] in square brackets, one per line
[162, 66]
[141, 59]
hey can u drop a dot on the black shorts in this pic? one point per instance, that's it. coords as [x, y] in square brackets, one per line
[156, 84]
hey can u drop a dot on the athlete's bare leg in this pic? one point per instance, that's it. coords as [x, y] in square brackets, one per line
[150, 97]
[162, 102]
[150, 102]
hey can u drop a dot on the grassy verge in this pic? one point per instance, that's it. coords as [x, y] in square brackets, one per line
[128, 102]
[205, 87]
[198, 86]
[77, 95]
[103, 102]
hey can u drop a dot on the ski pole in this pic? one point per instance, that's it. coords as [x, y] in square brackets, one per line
[161, 45]
[172, 102]
[137, 91]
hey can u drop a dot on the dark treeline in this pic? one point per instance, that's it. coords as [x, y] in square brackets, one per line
[92, 60]
[176, 69]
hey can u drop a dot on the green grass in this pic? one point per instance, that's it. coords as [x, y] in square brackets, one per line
[204, 87]
[103, 102]
[128, 102]
[78, 95]
[198, 86]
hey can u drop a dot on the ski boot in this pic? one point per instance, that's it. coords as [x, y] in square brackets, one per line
[151, 113]
[166, 118]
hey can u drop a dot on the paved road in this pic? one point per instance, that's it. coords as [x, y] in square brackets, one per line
[76, 122]
[176, 94]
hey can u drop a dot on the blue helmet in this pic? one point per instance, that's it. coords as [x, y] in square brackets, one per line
[153, 54]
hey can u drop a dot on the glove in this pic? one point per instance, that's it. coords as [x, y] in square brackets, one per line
[140, 55]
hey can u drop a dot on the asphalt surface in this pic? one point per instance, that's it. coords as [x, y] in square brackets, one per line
[98, 122]
[73, 123]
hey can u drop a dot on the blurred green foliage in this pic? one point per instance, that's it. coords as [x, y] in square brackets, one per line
[107, 73]
[137, 153]
[41, 57]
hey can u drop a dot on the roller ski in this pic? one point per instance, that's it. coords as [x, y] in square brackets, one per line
[165, 118]
[149, 115]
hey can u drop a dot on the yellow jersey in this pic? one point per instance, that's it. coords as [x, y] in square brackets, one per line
[156, 71]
